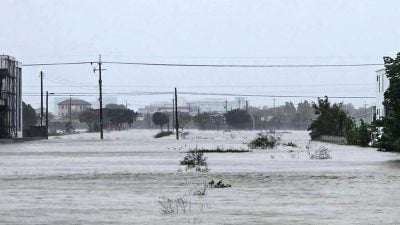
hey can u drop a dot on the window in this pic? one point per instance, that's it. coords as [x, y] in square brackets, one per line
[379, 84]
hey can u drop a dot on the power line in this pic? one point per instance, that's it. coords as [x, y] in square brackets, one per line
[203, 93]
[209, 65]
[244, 65]
[56, 64]
[212, 86]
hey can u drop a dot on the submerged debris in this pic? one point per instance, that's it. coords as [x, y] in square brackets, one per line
[219, 184]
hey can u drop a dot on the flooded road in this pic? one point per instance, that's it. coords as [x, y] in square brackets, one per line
[77, 179]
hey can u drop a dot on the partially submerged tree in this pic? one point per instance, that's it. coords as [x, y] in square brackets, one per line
[331, 120]
[118, 116]
[160, 119]
[184, 119]
[202, 120]
[238, 119]
[390, 140]
[91, 118]
[30, 117]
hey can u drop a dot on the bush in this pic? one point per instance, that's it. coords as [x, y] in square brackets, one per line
[163, 134]
[264, 141]
[219, 150]
[321, 153]
[219, 184]
[290, 144]
[193, 159]
[178, 205]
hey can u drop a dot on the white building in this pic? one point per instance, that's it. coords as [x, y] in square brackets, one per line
[382, 84]
[196, 106]
[75, 105]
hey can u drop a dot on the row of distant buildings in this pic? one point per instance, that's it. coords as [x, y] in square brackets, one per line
[197, 106]
[74, 106]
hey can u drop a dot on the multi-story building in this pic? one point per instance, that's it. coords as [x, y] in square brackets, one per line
[382, 84]
[196, 106]
[72, 107]
[10, 97]
[168, 108]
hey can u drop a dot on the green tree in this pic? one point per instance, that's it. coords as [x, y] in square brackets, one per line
[117, 116]
[29, 116]
[69, 127]
[184, 119]
[202, 120]
[91, 118]
[160, 119]
[390, 140]
[238, 119]
[303, 116]
[331, 120]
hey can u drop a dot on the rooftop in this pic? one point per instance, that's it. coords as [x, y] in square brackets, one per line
[74, 102]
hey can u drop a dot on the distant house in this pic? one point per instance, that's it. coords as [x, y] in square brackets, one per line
[75, 106]
[382, 84]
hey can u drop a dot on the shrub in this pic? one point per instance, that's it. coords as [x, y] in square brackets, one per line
[321, 153]
[201, 191]
[264, 141]
[290, 144]
[219, 150]
[194, 159]
[219, 184]
[163, 134]
[169, 206]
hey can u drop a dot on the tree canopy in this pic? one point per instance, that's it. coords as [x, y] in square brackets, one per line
[238, 119]
[390, 139]
[30, 117]
[331, 120]
[160, 119]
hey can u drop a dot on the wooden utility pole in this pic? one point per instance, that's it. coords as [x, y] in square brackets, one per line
[47, 114]
[173, 114]
[70, 110]
[41, 98]
[100, 96]
[176, 115]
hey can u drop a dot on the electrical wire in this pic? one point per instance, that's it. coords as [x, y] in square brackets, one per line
[208, 65]
[202, 94]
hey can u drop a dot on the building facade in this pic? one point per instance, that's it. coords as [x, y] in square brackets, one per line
[382, 84]
[72, 107]
[10, 97]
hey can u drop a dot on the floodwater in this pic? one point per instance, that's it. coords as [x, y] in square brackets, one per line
[78, 179]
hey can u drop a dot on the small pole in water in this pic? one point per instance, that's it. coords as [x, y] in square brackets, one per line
[176, 115]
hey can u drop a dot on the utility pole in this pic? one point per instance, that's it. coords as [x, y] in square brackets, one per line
[41, 98]
[176, 115]
[173, 113]
[70, 110]
[99, 63]
[226, 105]
[47, 114]
[247, 105]
[365, 107]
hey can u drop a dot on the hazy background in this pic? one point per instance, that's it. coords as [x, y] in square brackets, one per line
[219, 31]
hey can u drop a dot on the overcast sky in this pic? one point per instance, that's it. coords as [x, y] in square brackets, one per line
[245, 32]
